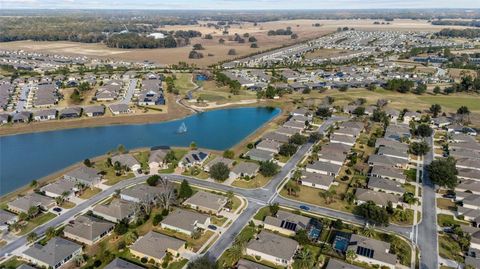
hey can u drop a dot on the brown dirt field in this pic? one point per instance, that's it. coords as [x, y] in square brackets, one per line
[303, 28]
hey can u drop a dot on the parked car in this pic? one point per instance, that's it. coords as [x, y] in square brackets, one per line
[304, 207]
[212, 227]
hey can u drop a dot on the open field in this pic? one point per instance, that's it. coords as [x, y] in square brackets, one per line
[305, 30]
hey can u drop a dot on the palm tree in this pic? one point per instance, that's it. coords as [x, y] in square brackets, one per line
[50, 232]
[236, 251]
[32, 237]
[292, 188]
[368, 231]
[79, 260]
[59, 200]
[33, 211]
[304, 259]
[351, 256]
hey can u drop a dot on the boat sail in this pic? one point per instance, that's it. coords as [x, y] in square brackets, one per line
[182, 129]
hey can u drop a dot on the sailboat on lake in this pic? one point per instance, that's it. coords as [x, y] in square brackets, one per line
[182, 129]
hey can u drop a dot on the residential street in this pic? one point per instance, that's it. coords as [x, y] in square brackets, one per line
[427, 229]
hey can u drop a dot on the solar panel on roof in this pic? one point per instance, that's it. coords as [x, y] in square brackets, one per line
[366, 252]
[195, 157]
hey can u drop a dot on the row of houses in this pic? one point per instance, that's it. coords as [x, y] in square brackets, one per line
[274, 244]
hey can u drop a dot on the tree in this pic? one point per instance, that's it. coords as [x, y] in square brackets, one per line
[435, 109]
[409, 198]
[254, 46]
[419, 148]
[372, 213]
[302, 237]
[153, 180]
[379, 116]
[33, 211]
[204, 262]
[273, 208]
[32, 237]
[193, 145]
[170, 157]
[436, 90]
[229, 154]
[219, 171]
[87, 163]
[157, 219]
[50, 233]
[304, 259]
[315, 137]
[297, 139]
[131, 237]
[368, 231]
[420, 89]
[185, 190]
[33, 183]
[287, 149]
[359, 111]
[232, 52]
[350, 256]
[268, 168]
[270, 92]
[121, 148]
[252, 39]
[292, 188]
[198, 47]
[167, 195]
[443, 172]
[121, 227]
[423, 130]
[323, 112]
[464, 112]
[236, 251]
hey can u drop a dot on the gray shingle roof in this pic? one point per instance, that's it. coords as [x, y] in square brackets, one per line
[207, 200]
[317, 179]
[274, 245]
[156, 244]
[54, 252]
[34, 199]
[385, 184]
[88, 227]
[379, 248]
[84, 173]
[247, 168]
[117, 208]
[6, 216]
[122, 264]
[185, 219]
[337, 264]
[379, 198]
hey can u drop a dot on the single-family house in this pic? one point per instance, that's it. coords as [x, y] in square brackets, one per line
[337, 264]
[70, 112]
[118, 263]
[87, 229]
[21, 117]
[140, 193]
[118, 109]
[156, 160]
[343, 139]
[58, 188]
[192, 158]
[94, 111]
[388, 172]
[316, 180]
[206, 202]
[247, 264]
[379, 198]
[84, 175]
[273, 248]
[259, 155]
[274, 136]
[54, 254]
[372, 251]
[127, 160]
[154, 246]
[324, 168]
[24, 203]
[244, 169]
[225, 161]
[44, 115]
[116, 210]
[385, 185]
[286, 223]
[185, 221]
[269, 145]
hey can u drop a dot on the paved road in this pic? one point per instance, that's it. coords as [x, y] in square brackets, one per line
[427, 229]
[22, 100]
[129, 93]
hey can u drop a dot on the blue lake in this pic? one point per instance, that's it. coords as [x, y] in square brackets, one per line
[26, 157]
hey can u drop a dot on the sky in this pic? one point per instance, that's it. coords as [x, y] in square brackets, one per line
[236, 4]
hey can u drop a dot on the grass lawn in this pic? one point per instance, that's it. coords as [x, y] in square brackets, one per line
[236, 203]
[257, 182]
[89, 192]
[453, 102]
[262, 213]
[109, 173]
[180, 152]
[218, 221]
[446, 204]
[311, 196]
[178, 264]
[409, 188]
[12, 263]
[38, 220]
[448, 221]
[449, 248]
[193, 244]
[183, 83]
[142, 158]
[67, 205]
[245, 235]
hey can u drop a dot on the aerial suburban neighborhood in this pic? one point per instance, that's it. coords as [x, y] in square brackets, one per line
[240, 134]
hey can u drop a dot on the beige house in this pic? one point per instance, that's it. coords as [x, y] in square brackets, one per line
[88, 230]
[372, 251]
[273, 248]
[154, 246]
[286, 223]
[24, 203]
[207, 202]
[116, 210]
[185, 221]
[54, 254]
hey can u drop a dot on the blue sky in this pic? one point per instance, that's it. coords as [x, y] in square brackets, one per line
[238, 4]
